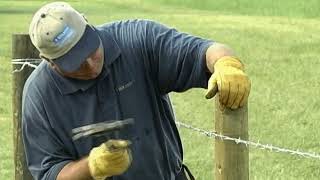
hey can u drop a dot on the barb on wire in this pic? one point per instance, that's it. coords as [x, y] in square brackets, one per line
[23, 66]
[24, 63]
[269, 147]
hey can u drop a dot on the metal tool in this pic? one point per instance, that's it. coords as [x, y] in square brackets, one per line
[100, 128]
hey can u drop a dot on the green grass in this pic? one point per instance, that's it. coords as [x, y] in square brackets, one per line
[285, 8]
[279, 42]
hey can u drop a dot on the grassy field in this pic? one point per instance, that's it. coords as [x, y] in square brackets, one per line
[279, 42]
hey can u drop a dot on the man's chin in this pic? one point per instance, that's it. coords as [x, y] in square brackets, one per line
[93, 75]
[86, 77]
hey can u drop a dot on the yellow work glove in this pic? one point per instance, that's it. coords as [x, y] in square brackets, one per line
[109, 159]
[231, 82]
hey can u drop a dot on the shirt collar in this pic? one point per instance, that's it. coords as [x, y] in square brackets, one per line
[111, 53]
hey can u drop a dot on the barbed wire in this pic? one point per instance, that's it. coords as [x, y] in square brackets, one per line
[212, 134]
[23, 66]
[24, 63]
[269, 147]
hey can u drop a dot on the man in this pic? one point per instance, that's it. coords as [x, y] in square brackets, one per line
[112, 72]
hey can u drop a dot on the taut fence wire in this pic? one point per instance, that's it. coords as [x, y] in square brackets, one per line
[268, 147]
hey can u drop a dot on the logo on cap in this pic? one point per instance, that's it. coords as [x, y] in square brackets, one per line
[64, 35]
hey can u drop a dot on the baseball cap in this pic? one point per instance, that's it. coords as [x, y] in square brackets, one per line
[63, 35]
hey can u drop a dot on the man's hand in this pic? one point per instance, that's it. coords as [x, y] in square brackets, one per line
[110, 158]
[231, 82]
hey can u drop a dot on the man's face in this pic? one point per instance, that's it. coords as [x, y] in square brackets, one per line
[89, 69]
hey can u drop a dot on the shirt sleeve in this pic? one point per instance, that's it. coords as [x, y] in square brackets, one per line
[177, 60]
[44, 152]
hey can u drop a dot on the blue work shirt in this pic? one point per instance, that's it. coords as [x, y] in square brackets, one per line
[144, 61]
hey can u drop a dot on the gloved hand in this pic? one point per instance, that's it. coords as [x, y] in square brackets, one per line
[110, 158]
[231, 82]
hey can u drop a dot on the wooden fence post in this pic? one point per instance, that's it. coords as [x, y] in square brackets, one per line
[231, 159]
[22, 48]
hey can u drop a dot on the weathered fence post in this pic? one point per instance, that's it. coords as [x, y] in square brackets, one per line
[22, 48]
[231, 159]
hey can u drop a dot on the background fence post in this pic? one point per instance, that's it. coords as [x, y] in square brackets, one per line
[22, 48]
[231, 159]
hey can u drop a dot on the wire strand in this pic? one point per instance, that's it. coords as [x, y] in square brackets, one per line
[268, 147]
